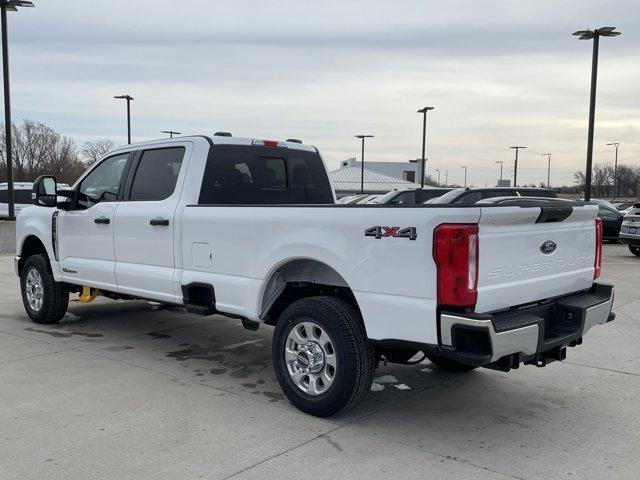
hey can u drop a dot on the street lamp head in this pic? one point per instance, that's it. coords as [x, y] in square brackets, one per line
[499, 161]
[607, 32]
[425, 109]
[515, 148]
[615, 144]
[13, 5]
[363, 136]
[598, 32]
[124, 97]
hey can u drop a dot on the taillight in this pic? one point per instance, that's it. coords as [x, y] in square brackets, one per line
[455, 250]
[598, 263]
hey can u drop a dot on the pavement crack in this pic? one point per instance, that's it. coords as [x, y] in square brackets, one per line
[602, 368]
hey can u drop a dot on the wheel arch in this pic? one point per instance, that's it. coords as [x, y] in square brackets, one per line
[31, 245]
[300, 277]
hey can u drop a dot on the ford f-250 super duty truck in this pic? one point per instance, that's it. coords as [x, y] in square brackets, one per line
[249, 229]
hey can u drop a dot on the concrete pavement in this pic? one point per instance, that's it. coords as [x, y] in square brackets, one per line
[122, 389]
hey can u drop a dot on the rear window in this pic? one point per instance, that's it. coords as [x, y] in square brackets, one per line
[239, 174]
[19, 196]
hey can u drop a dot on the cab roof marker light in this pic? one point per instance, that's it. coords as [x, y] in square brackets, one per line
[268, 143]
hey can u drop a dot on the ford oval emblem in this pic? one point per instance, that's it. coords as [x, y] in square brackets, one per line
[548, 247]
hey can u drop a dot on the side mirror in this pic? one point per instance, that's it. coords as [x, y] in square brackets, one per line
[44, 191]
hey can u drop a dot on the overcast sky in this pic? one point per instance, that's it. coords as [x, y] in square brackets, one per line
[499, 73]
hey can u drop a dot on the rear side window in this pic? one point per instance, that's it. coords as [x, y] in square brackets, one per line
[498, 193]
[239, 174]
[538, 193]
[157, 174]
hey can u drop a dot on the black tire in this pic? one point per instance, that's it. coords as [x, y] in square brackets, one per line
[55, 296]
[635, 250]
[355, 365]
[449, 364]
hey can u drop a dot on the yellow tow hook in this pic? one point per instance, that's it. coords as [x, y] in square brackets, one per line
[88, 295]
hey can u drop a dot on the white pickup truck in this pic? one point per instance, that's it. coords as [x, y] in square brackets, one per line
[249, 229]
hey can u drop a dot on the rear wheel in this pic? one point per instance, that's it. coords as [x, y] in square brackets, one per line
[44, 299]
[321, 355]
[448, 363]
[635, 250]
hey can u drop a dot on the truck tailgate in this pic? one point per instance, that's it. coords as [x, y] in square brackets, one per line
[524, 257]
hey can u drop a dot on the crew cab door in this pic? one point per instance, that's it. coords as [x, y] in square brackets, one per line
[84, 233]
[145, 226]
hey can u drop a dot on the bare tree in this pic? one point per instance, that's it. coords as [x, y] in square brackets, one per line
[93, 151]
[40, 150]
[603, 180]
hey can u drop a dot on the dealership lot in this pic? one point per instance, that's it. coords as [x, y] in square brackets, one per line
[129, 390]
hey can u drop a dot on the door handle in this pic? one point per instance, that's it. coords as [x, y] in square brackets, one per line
[102, 220]
[159, 222]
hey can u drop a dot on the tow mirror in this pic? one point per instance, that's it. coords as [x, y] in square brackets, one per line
[44, 191]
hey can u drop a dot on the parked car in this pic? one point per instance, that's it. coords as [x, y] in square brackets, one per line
[611, 222]
[624, 206]
[630, 230]
[248, 229]
[368, 199]
[21, 197]
[604, 203]
[411, 196]
[351, 199]
[469, 196]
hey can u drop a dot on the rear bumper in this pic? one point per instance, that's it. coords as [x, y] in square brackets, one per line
[535, 334]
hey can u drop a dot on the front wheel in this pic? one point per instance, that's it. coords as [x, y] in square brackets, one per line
[44, 299]
[635, 250]
[321, 355]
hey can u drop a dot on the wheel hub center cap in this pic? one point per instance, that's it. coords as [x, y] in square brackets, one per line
[311, 357]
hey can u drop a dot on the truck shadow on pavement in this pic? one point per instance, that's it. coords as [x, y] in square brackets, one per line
[216, 352]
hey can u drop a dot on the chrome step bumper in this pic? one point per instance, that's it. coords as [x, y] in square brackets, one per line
[527, 332]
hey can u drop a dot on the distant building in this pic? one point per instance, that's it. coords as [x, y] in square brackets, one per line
[346, 181]
[408, 171]
[504, 183]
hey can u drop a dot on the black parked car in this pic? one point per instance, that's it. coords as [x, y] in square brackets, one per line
[469, 196]
[611, 222]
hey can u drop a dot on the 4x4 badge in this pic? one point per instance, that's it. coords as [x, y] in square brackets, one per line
[379, 232]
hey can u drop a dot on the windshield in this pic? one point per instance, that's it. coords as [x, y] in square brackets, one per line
[448, 197]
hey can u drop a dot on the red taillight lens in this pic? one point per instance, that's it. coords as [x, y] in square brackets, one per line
[598, 263]
[455, 250]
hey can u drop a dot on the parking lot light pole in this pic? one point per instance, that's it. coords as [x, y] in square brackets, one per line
[128, 98]
[515, 166]
[424, 139]
[615, 169]
[446, 177]
[171, 133]
[548, 155]
[9, 5]
[465, 176]
[501, 163]
[362, 164]
[437, 170]
[595, 36]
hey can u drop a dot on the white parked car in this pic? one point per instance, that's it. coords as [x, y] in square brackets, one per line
[630, 230]
[21, 197]
[249, 229]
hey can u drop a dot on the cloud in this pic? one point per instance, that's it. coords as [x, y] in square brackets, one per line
[498, 72]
